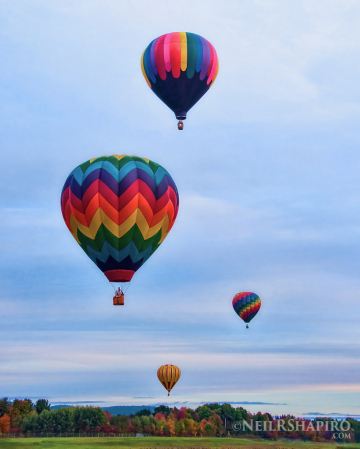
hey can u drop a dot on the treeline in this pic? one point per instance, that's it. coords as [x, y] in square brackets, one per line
[26, 416]
[223, 420]
[207, 420]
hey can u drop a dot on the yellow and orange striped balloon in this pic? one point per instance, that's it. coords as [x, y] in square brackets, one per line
[168, 376]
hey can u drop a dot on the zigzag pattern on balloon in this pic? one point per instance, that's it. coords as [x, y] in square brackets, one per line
[119, 209]
[246, 305]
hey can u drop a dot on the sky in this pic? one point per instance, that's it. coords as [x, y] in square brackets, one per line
[267, 169]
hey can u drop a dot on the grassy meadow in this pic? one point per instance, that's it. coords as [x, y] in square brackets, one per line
[163, 442]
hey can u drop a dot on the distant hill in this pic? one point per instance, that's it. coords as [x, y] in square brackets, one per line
[56, 407]
[127, 409]
[114, 410]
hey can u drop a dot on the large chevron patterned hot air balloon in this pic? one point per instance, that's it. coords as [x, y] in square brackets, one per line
[180, 68]
[168, 376]
[246, 305]
[119, 209]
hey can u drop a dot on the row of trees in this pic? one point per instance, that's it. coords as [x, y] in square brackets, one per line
[168, 422]
[26, 416]
[13, 413]
[225, 420]
[67, 419]
[207, 420]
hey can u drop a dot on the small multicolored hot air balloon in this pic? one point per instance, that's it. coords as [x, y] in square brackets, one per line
[246, 305]
[168, 376]
[119, 209]
[180, 68]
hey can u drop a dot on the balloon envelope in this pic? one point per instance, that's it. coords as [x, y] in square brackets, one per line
[180, 68]
[168, 376]
[119, 209]
[246, 305]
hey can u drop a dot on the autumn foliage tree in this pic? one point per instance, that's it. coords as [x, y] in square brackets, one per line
[18, 410]
[4, 423]
[170, 423]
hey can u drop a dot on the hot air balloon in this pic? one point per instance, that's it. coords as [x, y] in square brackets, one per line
[246, 305]
[168, 376]
[119, 209]
[180, 68]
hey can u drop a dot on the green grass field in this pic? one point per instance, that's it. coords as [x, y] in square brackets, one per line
[153, 442]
